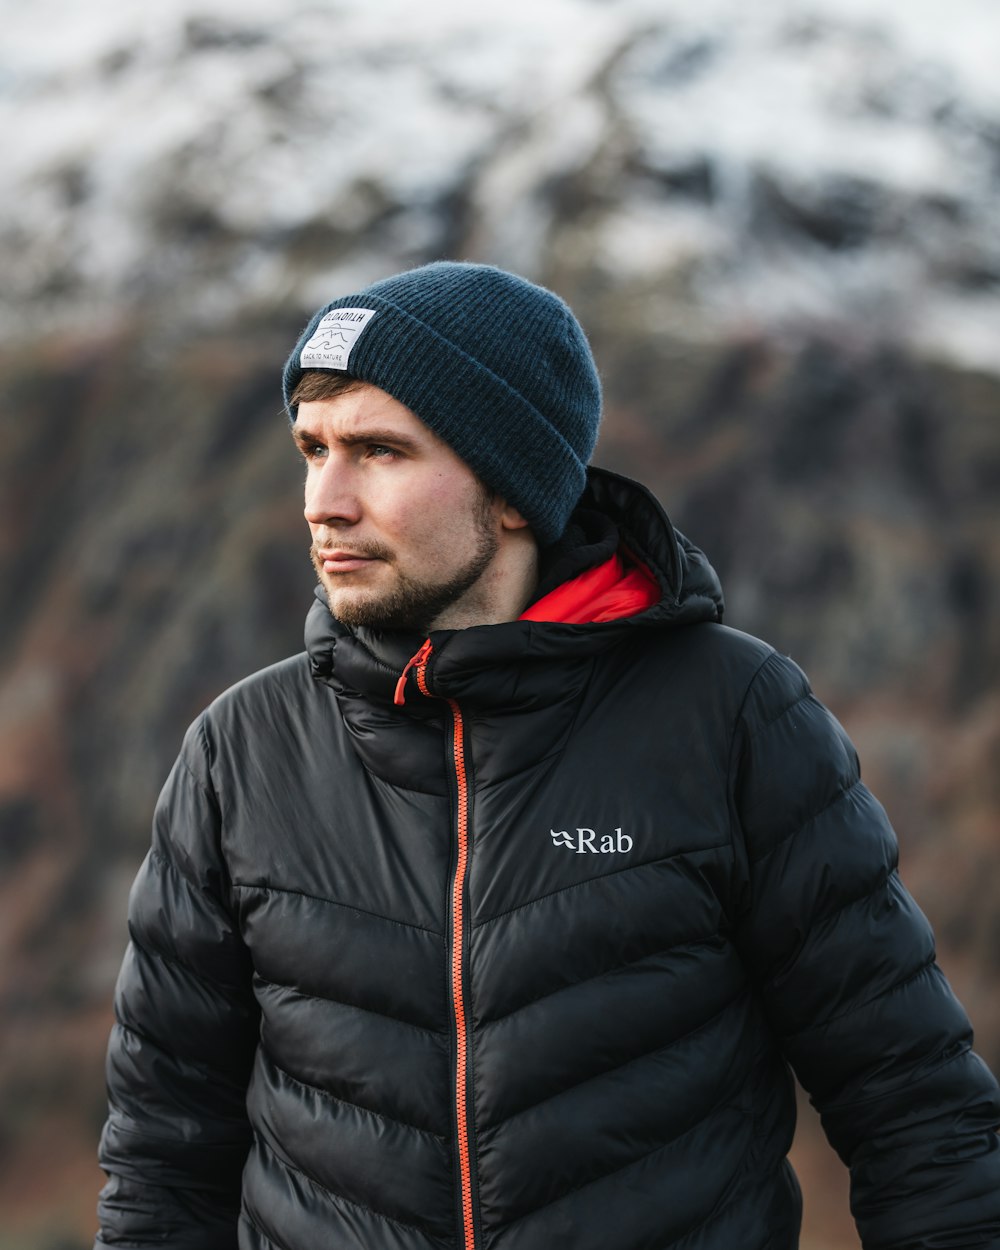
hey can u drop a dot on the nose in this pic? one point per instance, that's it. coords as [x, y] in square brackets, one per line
[330, 495]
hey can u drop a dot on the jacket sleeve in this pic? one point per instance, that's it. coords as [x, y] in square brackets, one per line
[845, 965]
[186, 1029]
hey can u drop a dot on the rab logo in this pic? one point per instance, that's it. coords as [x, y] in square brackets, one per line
[583, 841]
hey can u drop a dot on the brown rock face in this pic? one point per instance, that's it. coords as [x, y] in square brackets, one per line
[153, 552]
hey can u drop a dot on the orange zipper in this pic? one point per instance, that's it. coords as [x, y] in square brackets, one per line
[419, 659]
[463, 1111]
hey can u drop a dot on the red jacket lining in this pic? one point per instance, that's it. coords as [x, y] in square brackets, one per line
[618, 587]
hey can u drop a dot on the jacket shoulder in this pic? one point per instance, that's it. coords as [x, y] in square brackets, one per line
[725, 641]
[284, 674]
[717, 655]
[257, 710]
[770, 681]
[263, 691]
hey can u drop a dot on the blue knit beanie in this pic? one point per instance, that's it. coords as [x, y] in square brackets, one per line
[497, 367]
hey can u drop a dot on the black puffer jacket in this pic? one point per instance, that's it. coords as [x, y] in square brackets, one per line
[520, 964]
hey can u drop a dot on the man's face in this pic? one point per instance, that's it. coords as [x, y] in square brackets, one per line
[404, 535]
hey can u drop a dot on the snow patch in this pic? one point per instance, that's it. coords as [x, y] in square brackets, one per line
[795, 159]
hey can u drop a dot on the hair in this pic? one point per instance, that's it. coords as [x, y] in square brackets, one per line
[318, 384]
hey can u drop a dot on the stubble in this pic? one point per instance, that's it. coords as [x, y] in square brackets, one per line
[410, 603]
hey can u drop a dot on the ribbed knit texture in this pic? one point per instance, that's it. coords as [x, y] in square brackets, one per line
[495, 365]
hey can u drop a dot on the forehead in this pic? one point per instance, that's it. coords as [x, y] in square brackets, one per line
[359, 408]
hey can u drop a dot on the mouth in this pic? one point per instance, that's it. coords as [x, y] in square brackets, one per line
[338, 561]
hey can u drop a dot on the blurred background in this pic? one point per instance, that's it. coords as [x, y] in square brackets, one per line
[778, 225]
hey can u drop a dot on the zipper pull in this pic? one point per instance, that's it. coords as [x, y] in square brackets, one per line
[399, 698]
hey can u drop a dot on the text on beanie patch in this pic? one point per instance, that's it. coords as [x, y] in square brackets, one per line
[331, 343]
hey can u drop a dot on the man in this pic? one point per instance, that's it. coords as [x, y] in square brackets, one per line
[496, 919]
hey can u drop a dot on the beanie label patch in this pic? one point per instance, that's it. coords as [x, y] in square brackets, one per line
[333, 339]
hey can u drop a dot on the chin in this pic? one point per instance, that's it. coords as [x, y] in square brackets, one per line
[354, 610]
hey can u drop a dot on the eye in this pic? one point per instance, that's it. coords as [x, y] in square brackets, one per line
[379, 451]
[312, 451]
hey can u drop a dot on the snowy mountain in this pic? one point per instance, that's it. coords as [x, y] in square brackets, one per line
[773, 166]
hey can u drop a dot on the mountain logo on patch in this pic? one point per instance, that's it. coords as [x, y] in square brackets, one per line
[333, 340]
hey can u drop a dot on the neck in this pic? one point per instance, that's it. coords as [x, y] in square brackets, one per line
[503, 591]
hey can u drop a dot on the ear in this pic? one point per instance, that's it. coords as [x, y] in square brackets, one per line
[511, 519]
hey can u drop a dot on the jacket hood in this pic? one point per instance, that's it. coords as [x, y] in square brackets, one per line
[490, 662]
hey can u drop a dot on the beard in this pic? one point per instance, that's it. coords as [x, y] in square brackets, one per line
[410, 604]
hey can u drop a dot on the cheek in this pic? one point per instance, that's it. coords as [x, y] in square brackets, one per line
[433, 514]
[440, 506]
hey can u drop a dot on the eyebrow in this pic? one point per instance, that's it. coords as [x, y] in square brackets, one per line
[391, 438]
